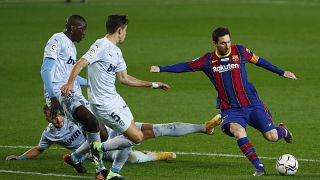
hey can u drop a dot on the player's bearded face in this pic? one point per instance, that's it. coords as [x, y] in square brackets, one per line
[223, 45]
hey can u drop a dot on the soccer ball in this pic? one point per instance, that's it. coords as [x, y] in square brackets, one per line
[287, 165]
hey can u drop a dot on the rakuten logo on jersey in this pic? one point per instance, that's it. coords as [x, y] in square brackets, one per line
[224, 68]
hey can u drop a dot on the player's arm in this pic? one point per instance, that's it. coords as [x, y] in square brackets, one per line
[46, 68]
[267, 65]
[31, 153]
[261, 62]
[82, 81]
[174, 68]
[195, 65]
[68, 87]
[126, 79]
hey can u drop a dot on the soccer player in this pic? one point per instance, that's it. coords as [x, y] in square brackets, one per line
[237, 98]
[119, 157]
[105, 61]
[59, 58]
[69, 135]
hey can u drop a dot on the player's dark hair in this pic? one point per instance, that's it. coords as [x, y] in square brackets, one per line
[219, 32]
[116, 21]
[73, 20]
[45, 108]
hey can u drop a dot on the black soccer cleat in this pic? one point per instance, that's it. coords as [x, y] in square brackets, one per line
[102, 175]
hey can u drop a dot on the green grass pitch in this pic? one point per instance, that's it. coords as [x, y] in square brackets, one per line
[160, 32]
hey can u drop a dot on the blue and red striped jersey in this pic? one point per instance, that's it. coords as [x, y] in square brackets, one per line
[228, 75]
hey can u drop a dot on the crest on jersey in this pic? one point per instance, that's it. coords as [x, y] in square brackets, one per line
[71, 128]
[53, 48]
[92, 52]
[235, 58]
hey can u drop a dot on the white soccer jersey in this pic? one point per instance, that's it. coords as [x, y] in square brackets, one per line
[63, 51]
[105, 60]
[69, 136]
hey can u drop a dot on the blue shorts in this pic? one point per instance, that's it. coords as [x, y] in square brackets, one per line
[257, 116]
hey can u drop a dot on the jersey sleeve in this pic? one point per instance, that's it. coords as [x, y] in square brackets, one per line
[121, 66]
[194, 65]
[259, 61]
[52, 48]
[198, 63]
[44, 142]
[94, 53]
[250, 56]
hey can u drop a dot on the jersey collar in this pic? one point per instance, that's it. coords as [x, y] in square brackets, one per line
[220, 56]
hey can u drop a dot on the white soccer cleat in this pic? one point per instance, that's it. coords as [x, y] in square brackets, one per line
[259, 173]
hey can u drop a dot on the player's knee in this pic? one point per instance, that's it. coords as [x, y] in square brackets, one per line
[271, 136]
[235, 130]
[137, 137]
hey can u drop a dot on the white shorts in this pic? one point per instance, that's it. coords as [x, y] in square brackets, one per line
[116, 116]
[70, 103]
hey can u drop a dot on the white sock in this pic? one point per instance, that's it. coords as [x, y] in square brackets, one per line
[140, 157]
[177, 129]
[93, 137]
[83, 149]
[119, 159]
[117, 143]
[81, 153]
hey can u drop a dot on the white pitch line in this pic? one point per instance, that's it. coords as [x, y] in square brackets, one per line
[182, 153]
[44, 174]
[236, 156]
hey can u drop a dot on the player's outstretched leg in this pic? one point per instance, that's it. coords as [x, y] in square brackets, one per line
[284, 132]
[140, 157]
[210, 125]
[163, 156]
[77, 166]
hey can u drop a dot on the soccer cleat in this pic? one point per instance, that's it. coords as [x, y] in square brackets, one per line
[259, 173]
[96, 153]
[288, 139]
[165, 156]
[78, 167]
[101, 175]
[210, 125]
[114, 176]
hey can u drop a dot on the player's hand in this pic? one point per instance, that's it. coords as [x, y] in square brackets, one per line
[54, 107]
[12, 157]
[154, 69]
[160, 85]
[65, 89]
[289, 75]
